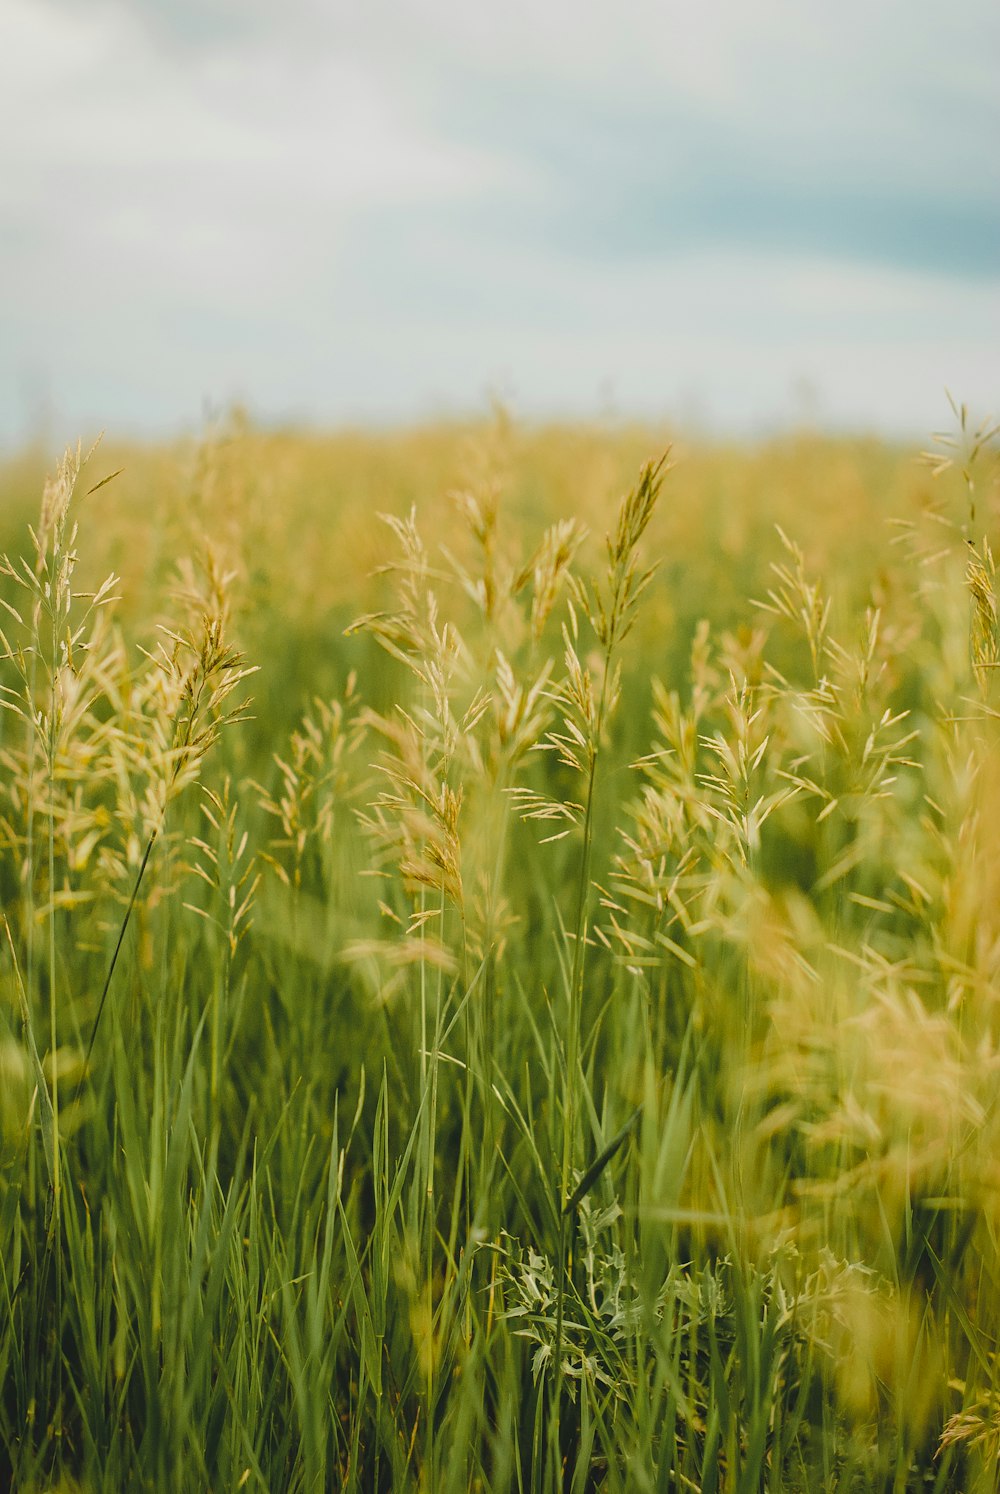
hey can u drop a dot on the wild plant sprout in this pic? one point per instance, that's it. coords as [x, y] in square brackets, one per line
[225, 865]
[92, 733]
[178, 709]
[449, 762]
[585, 699]
[435, 754]
[60, 655]
[315, 781]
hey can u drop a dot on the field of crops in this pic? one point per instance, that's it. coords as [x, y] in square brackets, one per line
[500, 966]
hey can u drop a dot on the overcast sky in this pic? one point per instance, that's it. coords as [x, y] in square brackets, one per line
[739, 212]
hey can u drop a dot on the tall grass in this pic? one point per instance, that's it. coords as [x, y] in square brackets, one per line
[549, 1039]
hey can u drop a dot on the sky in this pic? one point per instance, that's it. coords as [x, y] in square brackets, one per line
[737, 215]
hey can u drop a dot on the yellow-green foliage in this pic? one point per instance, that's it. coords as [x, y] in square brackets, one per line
[551, 1037]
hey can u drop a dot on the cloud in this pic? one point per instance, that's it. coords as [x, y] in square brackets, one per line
[143, 187]
[870, 138]
[344, 210]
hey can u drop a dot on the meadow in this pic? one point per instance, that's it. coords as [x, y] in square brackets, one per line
[500, 966]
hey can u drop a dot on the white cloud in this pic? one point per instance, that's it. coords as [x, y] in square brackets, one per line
[346, 210]
[119, 147]
[89, 91]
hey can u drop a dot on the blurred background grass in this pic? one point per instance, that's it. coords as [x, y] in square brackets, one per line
[296, 513]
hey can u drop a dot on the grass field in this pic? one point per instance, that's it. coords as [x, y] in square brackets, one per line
[500, 976]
